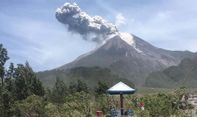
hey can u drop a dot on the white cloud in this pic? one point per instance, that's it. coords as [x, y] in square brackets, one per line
[166, 25]
[120, 20]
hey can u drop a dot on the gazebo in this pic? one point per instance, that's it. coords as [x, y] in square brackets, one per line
[120, 89]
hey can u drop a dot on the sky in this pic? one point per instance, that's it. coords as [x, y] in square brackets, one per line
[30, 31]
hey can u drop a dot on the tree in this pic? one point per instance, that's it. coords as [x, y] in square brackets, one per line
[10, 71]
[26, 82]
[7, 101]
[9, 79]
[22, 90]
[8, 91]
[59, 92]
[16, 84]
[160, 105]
[82, 86]
[5, 96]
[32, 106]
[1, 103]
[34, 84]
[78, 104]
[101, 88]
[78, 87]
[3, 58]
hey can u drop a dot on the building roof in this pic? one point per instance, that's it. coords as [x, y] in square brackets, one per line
[120, 88]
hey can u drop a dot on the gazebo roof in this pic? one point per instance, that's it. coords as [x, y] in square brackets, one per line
[120, 88]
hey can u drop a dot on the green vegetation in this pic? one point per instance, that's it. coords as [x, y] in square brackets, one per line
[17, 83]
[3, 58]
[23, 95]
[90, 75]
[176, 76]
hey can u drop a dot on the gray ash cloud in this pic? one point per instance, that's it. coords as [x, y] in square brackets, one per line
[94, 28]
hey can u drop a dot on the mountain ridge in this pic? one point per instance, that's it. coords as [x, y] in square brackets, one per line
[131, 61]
[183, 74]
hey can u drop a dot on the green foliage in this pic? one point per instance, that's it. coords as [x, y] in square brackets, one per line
[22, 90]
[3, 58]
[180, 92]
[101, 88]
[79, 102]
[157, 105]
[33, 106]
[20, 82]
[143, 113]
[26, 82]
[53, 110]
[16, 84]
[175, 76]
[7, 101]
[58, 92]
[78, 86]
[7, 95]
[102, 103]
[89, 75]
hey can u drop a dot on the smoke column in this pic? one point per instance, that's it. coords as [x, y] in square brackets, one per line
[95, 28]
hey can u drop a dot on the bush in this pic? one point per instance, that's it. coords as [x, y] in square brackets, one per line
[157, 105]
[78, 103]
[33, 106]
[102, 103]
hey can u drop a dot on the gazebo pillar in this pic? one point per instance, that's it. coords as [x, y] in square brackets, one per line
[121, 104]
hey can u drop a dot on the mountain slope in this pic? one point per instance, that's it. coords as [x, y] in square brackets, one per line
[90, 75]
[129, 57]
[133, 61]
[185, 74]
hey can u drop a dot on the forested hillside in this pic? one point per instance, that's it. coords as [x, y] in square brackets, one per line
[185, 74]
[89, 75]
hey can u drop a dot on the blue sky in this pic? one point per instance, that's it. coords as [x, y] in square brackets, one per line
[30, 31]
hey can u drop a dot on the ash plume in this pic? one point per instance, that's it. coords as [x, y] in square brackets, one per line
[94, 28]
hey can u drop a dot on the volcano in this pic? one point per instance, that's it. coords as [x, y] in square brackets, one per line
[129, 57]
